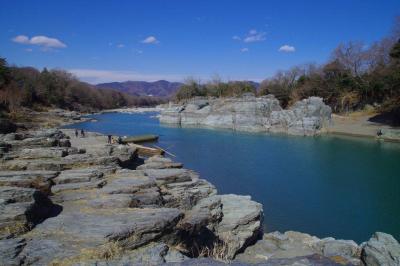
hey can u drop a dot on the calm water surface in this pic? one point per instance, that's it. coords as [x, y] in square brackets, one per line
[326, 186]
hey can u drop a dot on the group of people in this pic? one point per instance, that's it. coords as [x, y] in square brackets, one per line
[77, 133]
[110, 137]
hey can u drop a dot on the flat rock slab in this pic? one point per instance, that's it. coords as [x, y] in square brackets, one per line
[76, 186]
[128, 181]
[130, 227]
[28, 179]
[37, 153]
[39, 251]
[159, 162]
[78, 175]
[159, 165]
[35, 164]
[166, 176]
[112, 201]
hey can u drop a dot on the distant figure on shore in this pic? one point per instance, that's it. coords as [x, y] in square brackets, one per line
[119, 140]
[379, 133]
[76, 133]
[109, 139]
[82, 133]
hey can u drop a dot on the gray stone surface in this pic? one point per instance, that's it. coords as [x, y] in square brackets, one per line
[292, 245]
[111, 215]
[9, 251]
[381, 249]
[79, 175]
[76, 186]
[158, 162]
[41, 180]
[249, 113]
[241, 224]
[22, 208]
[36, 153]
[130, 227]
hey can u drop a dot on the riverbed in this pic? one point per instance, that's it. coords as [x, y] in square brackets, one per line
[347, 188]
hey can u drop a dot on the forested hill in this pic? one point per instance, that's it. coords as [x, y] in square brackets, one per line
[29, 87]
[160, 88]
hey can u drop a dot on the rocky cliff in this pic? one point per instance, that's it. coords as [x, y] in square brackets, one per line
[252, 114]
[67, 200]
[79, 201]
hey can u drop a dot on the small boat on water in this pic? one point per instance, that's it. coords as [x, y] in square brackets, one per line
[140, 139]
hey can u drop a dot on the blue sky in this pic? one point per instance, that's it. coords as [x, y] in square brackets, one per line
[149, 40]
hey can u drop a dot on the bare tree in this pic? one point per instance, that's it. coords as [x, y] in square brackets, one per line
[352, 56]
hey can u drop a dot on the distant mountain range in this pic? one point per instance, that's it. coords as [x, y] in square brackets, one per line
[161, 88]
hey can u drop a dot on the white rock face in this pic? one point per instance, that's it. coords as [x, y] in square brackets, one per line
[251, 114]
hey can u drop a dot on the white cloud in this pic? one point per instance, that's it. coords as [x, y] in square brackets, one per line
[43, 41]
[287, 49]
[21, 39]
[253, 32]
[236, 38]
[28, 50]
[47, 42]
[121, 45]
[244, 50]
[137, 51]
[254, 36]
[150, 40]
[96, 76]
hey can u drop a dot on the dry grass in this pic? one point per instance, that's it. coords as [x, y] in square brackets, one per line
[18, 228]
[107, 251]
[218, 250]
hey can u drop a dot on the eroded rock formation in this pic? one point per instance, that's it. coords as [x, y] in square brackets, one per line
[91, 203]
[251, 114]
[86, 203]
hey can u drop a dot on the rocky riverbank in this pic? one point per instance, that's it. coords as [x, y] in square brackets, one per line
[252, 114]
[80, 201]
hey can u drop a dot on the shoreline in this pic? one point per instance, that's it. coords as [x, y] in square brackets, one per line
[163, 195]
[358, 125]
[354, 125]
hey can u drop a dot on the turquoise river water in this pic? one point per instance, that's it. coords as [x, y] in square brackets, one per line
[326, 186]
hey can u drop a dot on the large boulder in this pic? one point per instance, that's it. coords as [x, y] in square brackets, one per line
[291, 246]
[381, 249]
[241, 224]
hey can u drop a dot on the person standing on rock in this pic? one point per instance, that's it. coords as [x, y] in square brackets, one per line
[76, 133]
[82, 133]
[109, 139]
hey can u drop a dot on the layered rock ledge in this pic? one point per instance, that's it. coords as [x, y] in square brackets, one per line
[251, 114]
[80, 201]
